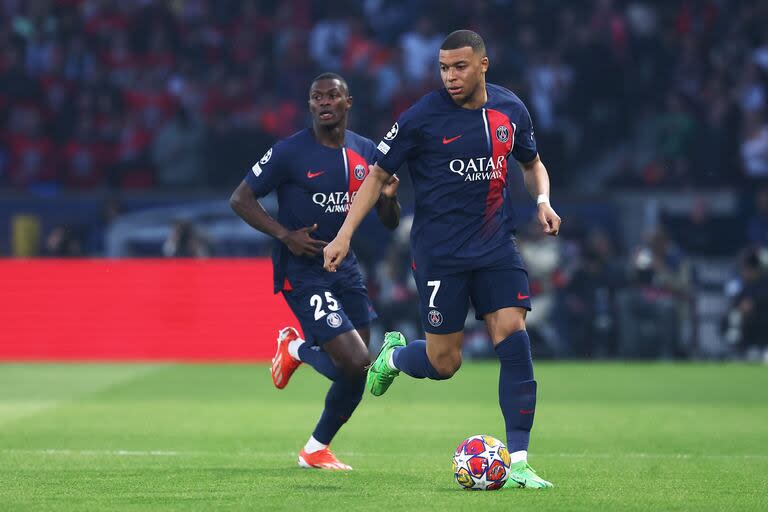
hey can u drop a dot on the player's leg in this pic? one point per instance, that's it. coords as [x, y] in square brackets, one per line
[292, 350]
[501, 298]
[365, 335]
[444, 302]
[286, 359]
[517, 390]
[437, 358]
[350, 355]
[348, 351]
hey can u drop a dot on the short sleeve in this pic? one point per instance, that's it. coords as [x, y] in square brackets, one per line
[268, 173]
[399, 143]
[524, 149]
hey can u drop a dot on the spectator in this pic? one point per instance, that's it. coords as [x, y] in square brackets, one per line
[754, 149]
[653, 311]
[64, 242]
[178, 152]
[591, 76]
[31, 153]
[667, 269]
[421, 45]
[589, 299]
[133, 165]
[746, 326]
[84, 157]
[328, 40]
[757, 231]
[394, 289]
[701, 233]
[185, 241]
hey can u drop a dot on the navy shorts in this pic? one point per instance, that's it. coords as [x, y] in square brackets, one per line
[326, 310]
[445, 297]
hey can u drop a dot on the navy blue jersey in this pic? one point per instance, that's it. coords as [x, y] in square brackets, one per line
[458, 160]
[315, 185]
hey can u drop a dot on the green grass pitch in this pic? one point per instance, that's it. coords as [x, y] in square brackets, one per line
[220, 437]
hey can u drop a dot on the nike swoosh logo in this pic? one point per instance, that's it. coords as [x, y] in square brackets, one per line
[520, 296]
[527, 411]
[311, 174]
[448, 141]
[521, 483]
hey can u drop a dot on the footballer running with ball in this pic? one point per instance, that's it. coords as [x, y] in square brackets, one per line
[457, 142]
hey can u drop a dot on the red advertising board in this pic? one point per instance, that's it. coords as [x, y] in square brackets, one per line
[139, 310]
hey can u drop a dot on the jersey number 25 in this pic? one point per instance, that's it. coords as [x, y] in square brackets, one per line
[316, 301]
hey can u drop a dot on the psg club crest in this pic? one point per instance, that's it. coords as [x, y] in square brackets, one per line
[334, 320]
[392, 133]
[435, 318]
[502, 134]
[360, 172]
[266, 156]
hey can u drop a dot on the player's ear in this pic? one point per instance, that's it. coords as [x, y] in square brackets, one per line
[349, 102]
[484, 62]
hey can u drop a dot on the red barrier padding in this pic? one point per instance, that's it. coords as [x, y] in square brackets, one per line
[139, 310]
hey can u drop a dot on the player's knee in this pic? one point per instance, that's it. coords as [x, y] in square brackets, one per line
[503, 327]
[356, 366]
[448, 365]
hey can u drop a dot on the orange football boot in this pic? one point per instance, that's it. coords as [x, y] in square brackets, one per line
[283, 364]
[321, 459]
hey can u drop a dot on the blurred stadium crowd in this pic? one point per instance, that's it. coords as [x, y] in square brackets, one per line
[650, 115]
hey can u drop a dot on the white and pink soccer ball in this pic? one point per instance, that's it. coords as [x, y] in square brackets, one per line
[481, 463]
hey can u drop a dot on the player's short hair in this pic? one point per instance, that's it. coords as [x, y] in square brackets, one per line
[332, 76]
[462, 38]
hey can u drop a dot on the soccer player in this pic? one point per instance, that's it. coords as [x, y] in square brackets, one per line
[457, 142]
[317, 173]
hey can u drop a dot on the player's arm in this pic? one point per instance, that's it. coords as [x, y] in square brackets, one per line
[246, 205]
[367, 196]
[388, 207]
[537, 183]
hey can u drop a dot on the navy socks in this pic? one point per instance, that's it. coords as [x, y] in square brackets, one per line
[517, 389]
[342, 398]
[340, 402]
[319, 360]
[412, 359]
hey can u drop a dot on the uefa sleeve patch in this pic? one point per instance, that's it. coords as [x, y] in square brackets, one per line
[392, 133]
[256, 169]
[383, 147]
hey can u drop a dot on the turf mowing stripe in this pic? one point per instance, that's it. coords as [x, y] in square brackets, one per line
[167, 453]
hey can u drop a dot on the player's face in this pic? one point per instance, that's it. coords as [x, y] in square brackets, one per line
[329, 102]
[462, 71]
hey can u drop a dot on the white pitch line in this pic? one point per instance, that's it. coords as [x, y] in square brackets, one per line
[119, 453]
[640, 455]
[173, 453]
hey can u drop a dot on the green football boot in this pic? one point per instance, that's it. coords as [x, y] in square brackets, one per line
[380, 375]
[522, 474]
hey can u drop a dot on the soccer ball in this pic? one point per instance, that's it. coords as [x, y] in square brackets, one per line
[481, 463]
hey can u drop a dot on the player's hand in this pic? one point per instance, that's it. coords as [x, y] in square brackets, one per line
[301, 244]
[548, 219]
[390, 187]
[334, 253]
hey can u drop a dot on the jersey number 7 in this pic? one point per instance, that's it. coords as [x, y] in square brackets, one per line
[436, 285]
